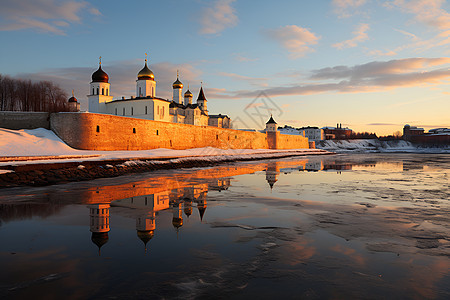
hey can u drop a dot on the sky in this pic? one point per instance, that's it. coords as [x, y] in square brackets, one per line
[370, 65]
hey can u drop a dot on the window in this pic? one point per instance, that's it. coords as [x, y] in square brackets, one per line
[157, 132]
[93, 91]
[103, 91]
[98, 128]
[97, 90]
[123, 111]
[140, 92]
[116, 111]
[132, 110]
[107, 92]
[134, 130]
[146, 110]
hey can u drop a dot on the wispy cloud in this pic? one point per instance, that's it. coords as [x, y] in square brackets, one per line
[49, 16]
[371, 77]
[429, 12]
[297, 40]
[359, 35]
[345, 8]
[218, 17]
[241, 58]
[251, 80]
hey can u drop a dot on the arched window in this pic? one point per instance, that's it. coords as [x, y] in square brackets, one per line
[124, 111]
[140, 92]
[103, 91]
[93, 91]
[146, 112]
[132, 110]
[116, 111]
[97, 91]
[107, 92]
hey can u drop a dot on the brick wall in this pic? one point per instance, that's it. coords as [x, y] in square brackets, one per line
[90, 131]
[24, 120]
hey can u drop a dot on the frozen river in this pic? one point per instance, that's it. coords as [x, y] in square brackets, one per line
[342, 226]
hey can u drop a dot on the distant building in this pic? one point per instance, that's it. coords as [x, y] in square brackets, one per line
[314, 134]
[437, 136]
[337, 133]
[289, 130]
[409, 131]
[221, 121]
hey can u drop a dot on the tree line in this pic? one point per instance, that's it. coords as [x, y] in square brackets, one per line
[25, 95]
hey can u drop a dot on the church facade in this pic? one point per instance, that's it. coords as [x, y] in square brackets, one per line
[146, 105]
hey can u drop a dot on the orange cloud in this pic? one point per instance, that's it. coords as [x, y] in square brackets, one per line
[295, 39]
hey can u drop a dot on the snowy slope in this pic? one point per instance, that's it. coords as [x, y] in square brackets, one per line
[377, 146]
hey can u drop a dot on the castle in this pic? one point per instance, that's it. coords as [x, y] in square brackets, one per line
[146, 105]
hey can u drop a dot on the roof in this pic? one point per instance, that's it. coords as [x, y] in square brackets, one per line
[271, 121]
[100, 75]
[201, 95]
[219, 116]
[139, 98]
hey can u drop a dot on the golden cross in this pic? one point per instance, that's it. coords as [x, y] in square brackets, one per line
[100, 60]
[146, 57]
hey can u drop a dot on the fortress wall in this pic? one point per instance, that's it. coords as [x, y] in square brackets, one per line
[24, 120]
[90, 131]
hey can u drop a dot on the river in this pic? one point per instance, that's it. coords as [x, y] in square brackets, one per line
[340, 226]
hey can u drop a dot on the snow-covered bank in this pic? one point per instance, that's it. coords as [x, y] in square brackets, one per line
[50, 148]
[378, 146]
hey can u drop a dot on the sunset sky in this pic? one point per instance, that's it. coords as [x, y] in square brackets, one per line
[371, 65]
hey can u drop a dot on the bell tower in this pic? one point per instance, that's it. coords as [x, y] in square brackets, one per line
[146, 84]
[99, 90]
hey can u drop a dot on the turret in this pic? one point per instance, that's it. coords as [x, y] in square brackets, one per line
[99, 90]
[201, 101]
[145, 83]
[74, 105]
[177, 88]
[271, 125]
[188, 97]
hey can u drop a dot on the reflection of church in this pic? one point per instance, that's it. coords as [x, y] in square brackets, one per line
[180, 200]
[99, 223]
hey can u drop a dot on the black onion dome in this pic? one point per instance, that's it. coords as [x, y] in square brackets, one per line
[100, 76]
[146, 73]
[73, 99]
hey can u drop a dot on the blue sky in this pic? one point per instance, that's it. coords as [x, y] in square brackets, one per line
[370, 65]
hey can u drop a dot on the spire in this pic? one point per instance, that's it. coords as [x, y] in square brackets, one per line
[201, 95]
[100, 61]
[73, 95]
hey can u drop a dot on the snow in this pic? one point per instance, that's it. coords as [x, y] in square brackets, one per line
[374, 145]
[43, 146]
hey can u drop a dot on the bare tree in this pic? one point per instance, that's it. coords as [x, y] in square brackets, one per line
[25, 95]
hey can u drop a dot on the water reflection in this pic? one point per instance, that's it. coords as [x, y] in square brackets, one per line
[328, 227]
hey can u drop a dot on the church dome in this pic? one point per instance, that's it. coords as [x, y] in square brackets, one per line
[100, 75]
[177, 222]
[72, 99]
[177, 84]
[146, 73]
[188, 94]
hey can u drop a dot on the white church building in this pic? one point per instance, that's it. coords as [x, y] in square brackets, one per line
[146, 105]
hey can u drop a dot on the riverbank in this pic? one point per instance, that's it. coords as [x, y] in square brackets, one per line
[48, 171]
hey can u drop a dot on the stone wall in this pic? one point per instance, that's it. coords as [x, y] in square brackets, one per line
[24, 120]
[90, 131]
